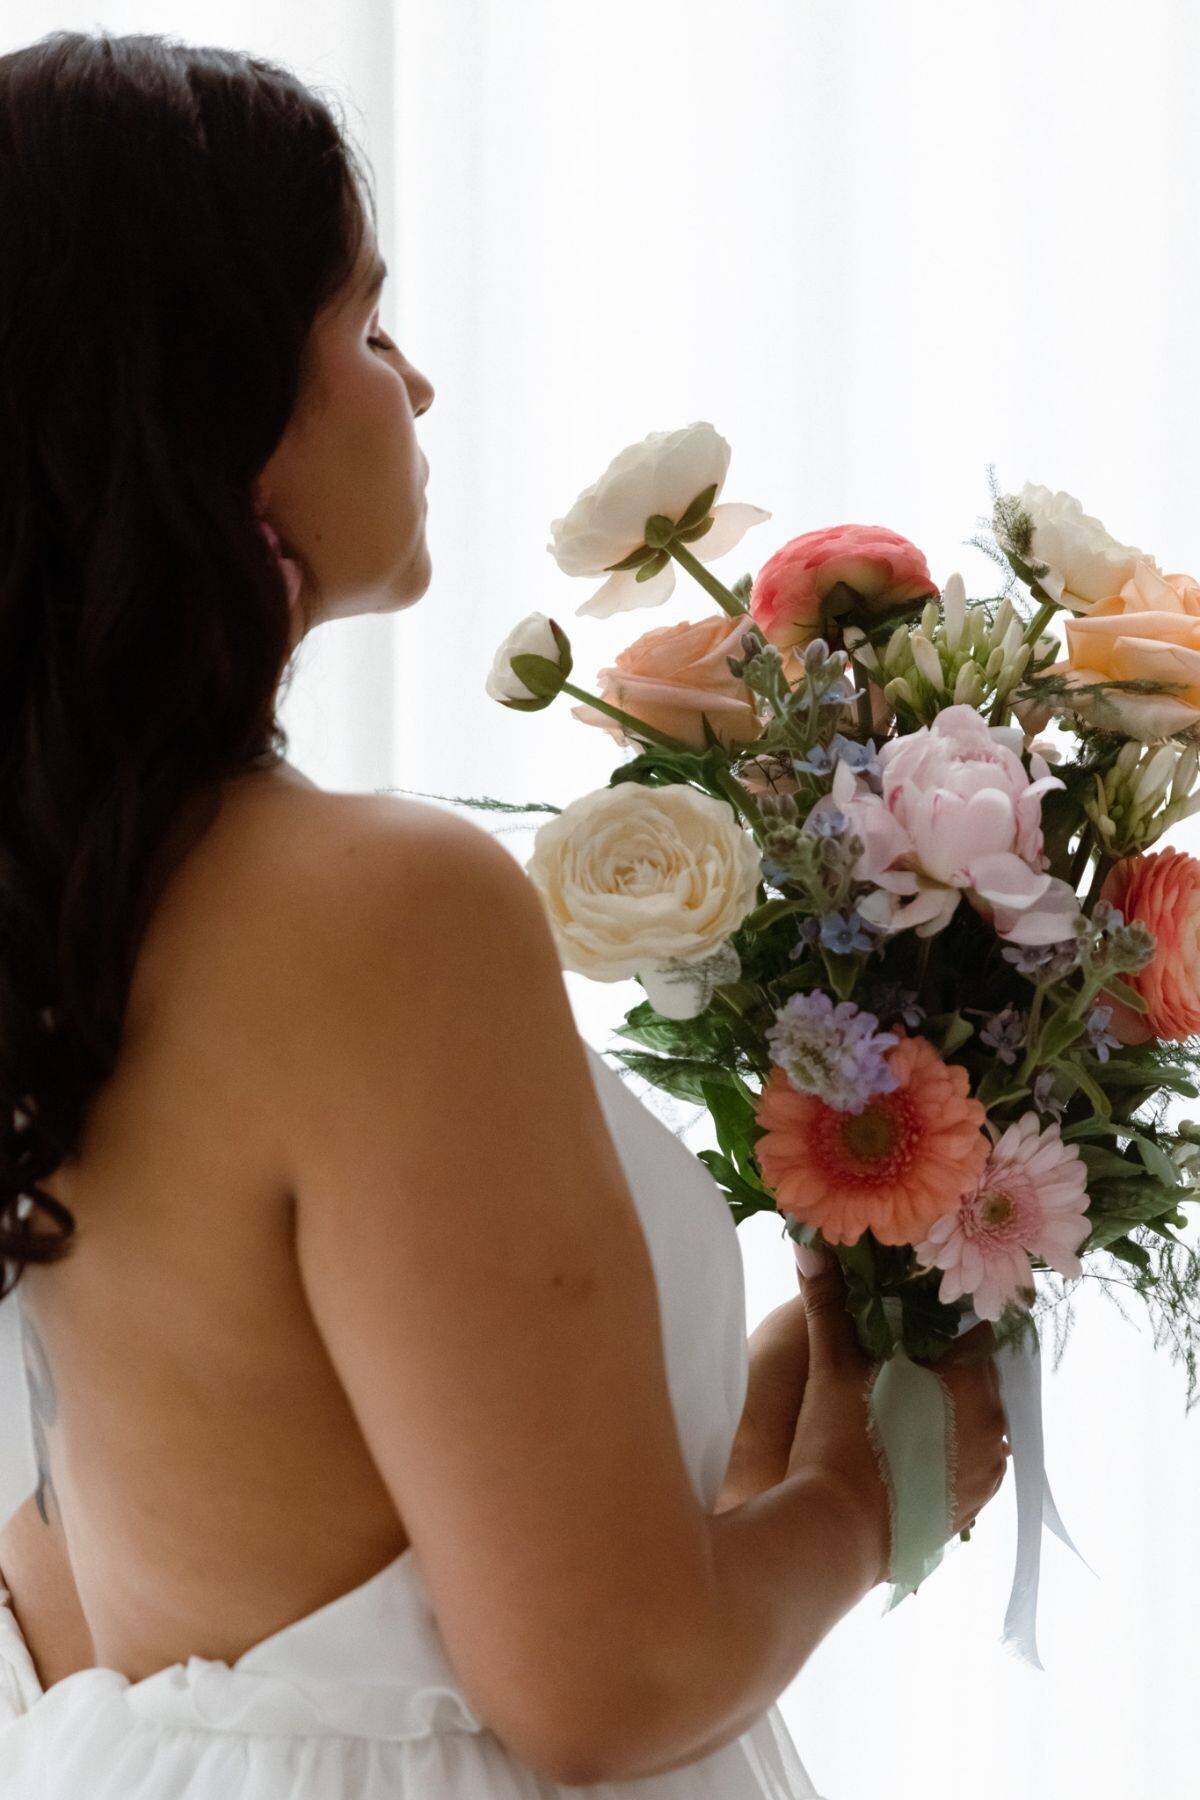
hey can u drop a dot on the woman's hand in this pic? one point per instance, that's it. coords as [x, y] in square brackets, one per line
[833, 1438]
[778, 1351]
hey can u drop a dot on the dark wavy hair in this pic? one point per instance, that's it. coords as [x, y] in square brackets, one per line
[172, 219]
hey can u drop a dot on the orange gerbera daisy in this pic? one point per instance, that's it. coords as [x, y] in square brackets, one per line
[892, 1169]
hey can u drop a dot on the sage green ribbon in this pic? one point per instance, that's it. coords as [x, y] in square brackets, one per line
[911, 1423]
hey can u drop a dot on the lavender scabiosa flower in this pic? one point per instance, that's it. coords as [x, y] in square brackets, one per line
[1004, 1033]
[1099, 1036]
[834, 1052]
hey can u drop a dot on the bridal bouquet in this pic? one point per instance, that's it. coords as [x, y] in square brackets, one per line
[918, 962]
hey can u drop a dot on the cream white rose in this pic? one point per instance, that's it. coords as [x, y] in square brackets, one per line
[634, 877]
[534, 636]
[661, 476]
[1085, 563]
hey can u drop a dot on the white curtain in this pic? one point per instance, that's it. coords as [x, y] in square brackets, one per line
[879, 247]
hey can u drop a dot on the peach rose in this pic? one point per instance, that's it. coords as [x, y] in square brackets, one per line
[1162, 891]
[1148, 591]
[668, 677]
[1135, 644]
[802, 591]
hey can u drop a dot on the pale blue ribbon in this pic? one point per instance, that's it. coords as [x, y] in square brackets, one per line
[910, 1415]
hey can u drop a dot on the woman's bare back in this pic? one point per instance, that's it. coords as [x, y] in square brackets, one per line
[199, 1459]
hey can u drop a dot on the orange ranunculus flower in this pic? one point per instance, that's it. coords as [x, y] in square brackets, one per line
[1162, 891]
[669, 676]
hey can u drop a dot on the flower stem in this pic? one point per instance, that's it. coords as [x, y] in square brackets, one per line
[1032, 1046]
[634, 727]
[1103, 865]
[1037, 624]
[862, 683]
[1082, 857]
[739, 797]
[696, 569]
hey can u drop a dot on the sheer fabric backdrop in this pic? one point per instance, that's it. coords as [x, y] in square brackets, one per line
[879, 247]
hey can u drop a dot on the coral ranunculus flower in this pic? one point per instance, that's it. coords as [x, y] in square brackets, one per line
[893, 1169]
[1162, 891]
[802, 591]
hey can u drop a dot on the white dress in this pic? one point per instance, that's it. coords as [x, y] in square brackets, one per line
[358, 1700]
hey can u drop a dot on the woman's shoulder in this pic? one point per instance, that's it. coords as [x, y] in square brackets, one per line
[296, 881]
[281, 873]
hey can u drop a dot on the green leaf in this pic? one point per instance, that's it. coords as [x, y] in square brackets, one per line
[698, 509]
[685, 1077]
[1142, 1072]
[929, 1327]
[1129, 1252]
[1100, 1162]
[1058, 1034]
[743, 1198]
[949, 1031]
[541, 676]
[843, 973]
[993, 1083]
[663, 766]
[871, 1321]
[1090, 1128]
[708, 1032]
[769, 911]
[1117, 986]
[1096, 1095]
[736, 1127]
[1157, 1160]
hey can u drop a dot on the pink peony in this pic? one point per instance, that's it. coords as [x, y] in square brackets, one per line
[1031, 1199]
[1162, 891]
[802, 591]
[958, 814]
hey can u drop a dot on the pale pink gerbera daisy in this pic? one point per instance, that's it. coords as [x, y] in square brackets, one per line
[1030, 1200]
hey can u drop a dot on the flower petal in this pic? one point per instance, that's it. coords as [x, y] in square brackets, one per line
[623, 592]
[730, 523]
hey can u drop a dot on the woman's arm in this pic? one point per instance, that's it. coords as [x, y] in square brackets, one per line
[36, 1569]
[778, 1353]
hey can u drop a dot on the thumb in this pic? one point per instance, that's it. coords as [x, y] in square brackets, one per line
[833, 1342]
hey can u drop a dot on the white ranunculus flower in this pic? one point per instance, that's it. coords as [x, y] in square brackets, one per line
[1085, 563]
[534, 636]
[661, 476]
[636, 877]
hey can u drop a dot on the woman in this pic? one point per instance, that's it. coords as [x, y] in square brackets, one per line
[394, 1423]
